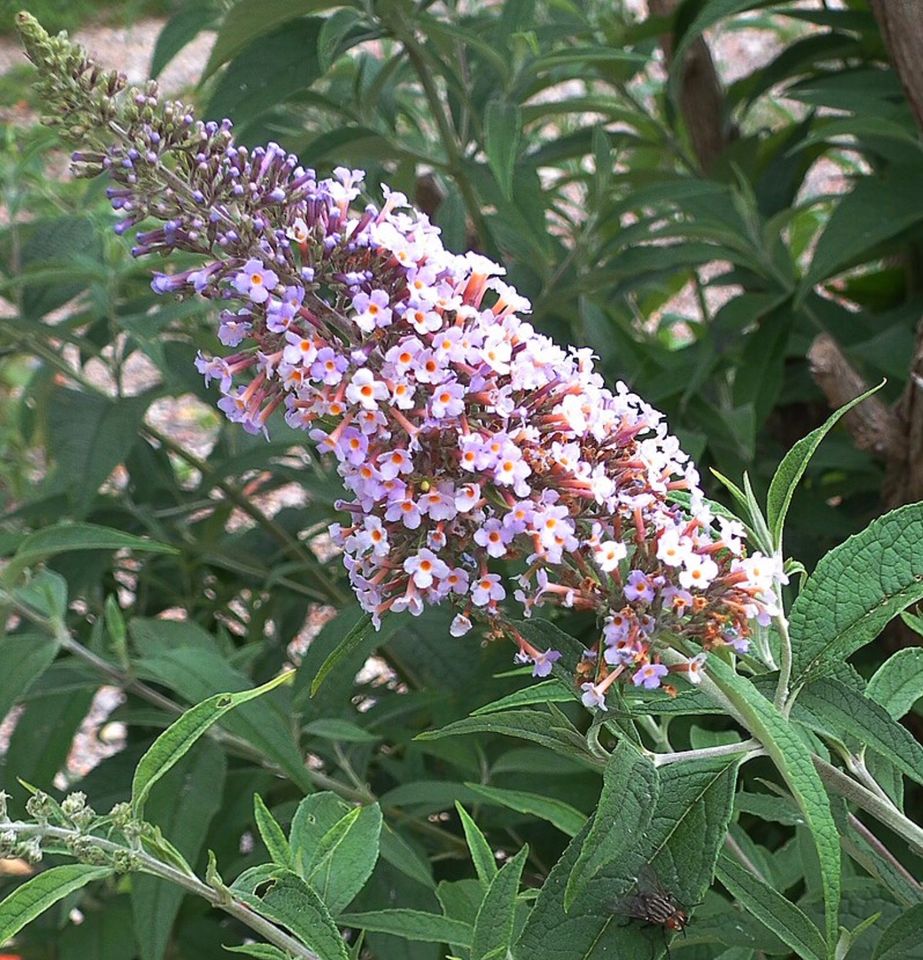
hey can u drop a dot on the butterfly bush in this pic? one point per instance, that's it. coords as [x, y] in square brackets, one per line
[486, 466]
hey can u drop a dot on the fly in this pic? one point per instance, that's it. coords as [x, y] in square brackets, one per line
[653, 904]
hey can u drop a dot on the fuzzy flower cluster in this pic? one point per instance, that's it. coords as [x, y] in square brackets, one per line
[485, 464]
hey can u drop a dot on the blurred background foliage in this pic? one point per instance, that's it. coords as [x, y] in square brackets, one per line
[741, 246]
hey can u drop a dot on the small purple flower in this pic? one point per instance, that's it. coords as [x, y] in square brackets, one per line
[255, 281]
[649, 676]
[372, 310]
[592, 697]
[329, 366]
[639, 587]
[214, 368]
[543, 662]
[734, 638]
[233, 330]
[493, 537]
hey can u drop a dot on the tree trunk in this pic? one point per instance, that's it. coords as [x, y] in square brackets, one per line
[701, 93]
[901, 23]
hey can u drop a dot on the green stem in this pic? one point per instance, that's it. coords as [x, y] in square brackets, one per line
[751, 748]
[781, 700]
[123, 680]
[883, 852]
[157, 868]
[738, 852]
[849, 789]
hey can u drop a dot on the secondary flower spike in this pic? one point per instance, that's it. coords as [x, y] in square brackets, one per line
[484, 462]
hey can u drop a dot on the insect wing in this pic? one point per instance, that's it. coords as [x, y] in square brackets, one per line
[652, 903]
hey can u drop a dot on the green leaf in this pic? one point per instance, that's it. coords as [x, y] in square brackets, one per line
[101, 934]
[566, 818]
[249, 19]
[89, 436]
[779, 914]
[64, 537]
[182, 805]
[197, 673]
[291, 902]
[485, 864]
[45, 592]
[261, 950]
[793, 465]
[681, 843]
[177, 32]
[502, 130]
[35, 896]
[855, 590]
[630, 790]
[44, 734]
[338, 866]
[25, 657]
[271, 834]
[412, 925]
[398, 852]
[176, 740]
[835, 710]
[534, 725]
[337, 27]
[495, 921]
[794, 762]
[548, 691]
[53, 246]
[878, 208]
[268, 71]
[705, 15]
[339, 729]
[350, 642]
[902, 937]
[897, 684]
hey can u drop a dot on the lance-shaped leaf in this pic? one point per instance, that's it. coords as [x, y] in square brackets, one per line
[271, 833]
[176, 740]
[482, 856]
[566, 818]
[495, 921]
[855, 590]
[629, 794]
[534, 725]
[412, 925]
[350, 642]
[182, 806]
[779, 914]
[292, 903]
[793, 760]
[898, 683]
[35, 896]
[902, 937]
[341, 862]
[502, 132]
[65, 537]
[831, 708]
[793, 465]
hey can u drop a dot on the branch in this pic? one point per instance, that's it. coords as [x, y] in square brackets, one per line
[872, 425]
[157, 868]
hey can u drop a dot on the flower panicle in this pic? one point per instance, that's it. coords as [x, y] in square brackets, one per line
[484, 463]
